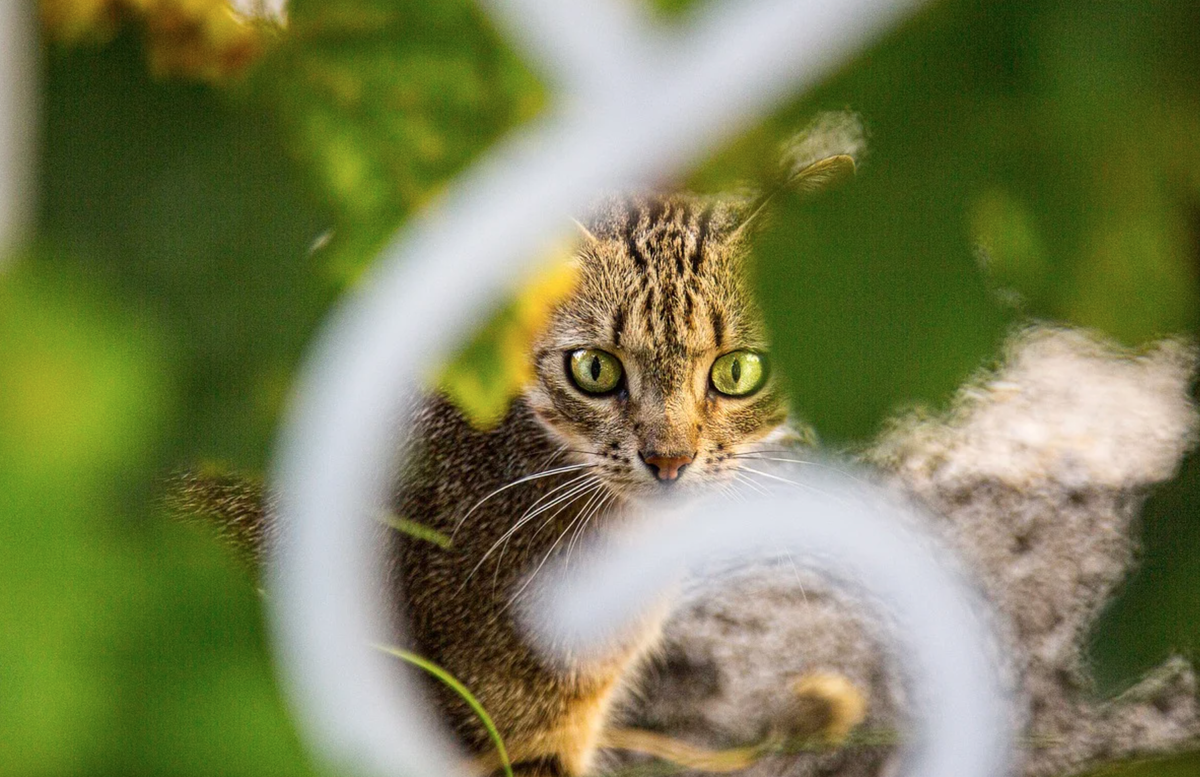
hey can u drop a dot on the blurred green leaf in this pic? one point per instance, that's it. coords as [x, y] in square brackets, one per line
[492, 369]
[178, 200]
[128, 647]
[1011, 246]
[175, 238]
[1158, 612]
[873, 291]
[463, 692]
[384, 101]
[1055, 135]
[1187, 765]
[80, 395]
[1060, 137]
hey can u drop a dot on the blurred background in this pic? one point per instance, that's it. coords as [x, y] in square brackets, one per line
[208, 182]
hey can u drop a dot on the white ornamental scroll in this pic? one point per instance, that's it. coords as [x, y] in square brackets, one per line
[18, 65]
[636, 104]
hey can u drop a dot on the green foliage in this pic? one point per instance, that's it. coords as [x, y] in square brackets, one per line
[129, 647]
[1159, 611]
[487, 373]
[463, 692]
[78, 397]
[1024, 161]
[1058, 138]
[1180, 766]
[482, 378]
[415, 529]
[191, 237]
[178, 201]
[190, 240]
[384, 100]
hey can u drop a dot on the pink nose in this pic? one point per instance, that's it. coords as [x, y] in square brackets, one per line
[666, 467]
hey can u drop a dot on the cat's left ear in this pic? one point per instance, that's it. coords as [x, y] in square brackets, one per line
[825, 153]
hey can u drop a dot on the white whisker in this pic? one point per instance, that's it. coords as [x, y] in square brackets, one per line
[795, 483]
[748, 481]
[563, 502]
[771, 458]
[536, 510]
[605, 497]
[731, 493]
[779, 451]
[545, 558]
[530, 514]
[796, 571]
[597, 496]
[821, 465]
[727, 491]
[558, 452]
[517, 482]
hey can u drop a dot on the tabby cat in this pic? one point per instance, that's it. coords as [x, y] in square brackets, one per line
[652, 379]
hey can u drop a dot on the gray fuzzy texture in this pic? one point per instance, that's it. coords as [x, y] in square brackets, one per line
[1035, 478]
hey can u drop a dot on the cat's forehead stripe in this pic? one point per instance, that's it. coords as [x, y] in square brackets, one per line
[632, 217]
[664, 231]
[702, 227]
[618, 325]
[718, 327]
[658, 275]
[655, 212]
[648, 306]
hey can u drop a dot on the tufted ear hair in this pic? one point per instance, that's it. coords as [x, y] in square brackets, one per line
[825, 152]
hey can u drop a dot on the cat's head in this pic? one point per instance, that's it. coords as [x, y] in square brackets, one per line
[656, 368]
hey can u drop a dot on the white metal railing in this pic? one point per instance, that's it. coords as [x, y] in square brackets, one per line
[17, 68]
[862, 539]
[637, 103]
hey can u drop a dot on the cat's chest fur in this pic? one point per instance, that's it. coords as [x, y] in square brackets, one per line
[458, 602]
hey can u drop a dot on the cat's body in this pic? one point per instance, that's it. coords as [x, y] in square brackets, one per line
[459, 612]
[651, 379]
[661, 288]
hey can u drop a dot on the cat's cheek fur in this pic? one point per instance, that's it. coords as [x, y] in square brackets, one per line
[577, 430]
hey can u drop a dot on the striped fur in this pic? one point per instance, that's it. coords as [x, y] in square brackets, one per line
[661, 285]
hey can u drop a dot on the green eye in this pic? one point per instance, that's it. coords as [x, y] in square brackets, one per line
[739, 373]
[595, 372]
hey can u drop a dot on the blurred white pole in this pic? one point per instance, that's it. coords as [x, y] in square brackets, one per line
[18, 53]
[663, 102]
[857, 535]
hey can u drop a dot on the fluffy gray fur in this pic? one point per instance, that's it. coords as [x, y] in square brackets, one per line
[1037, 476]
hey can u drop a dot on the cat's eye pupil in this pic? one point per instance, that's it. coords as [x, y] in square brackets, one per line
[594, 371]
[738, 373]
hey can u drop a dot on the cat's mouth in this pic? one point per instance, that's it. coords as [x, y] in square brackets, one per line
[652, 475]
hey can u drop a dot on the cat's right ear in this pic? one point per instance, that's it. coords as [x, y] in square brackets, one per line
[824, 153]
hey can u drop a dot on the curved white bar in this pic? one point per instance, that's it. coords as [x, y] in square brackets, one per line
[17, 121]
[855, 534]
[426, 293]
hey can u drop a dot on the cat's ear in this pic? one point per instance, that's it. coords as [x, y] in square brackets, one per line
[824, 153]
